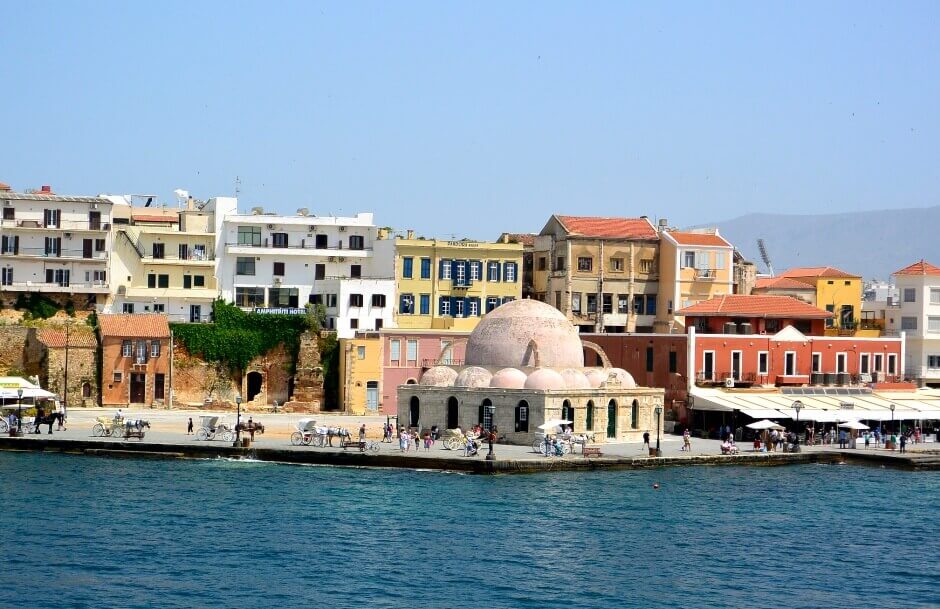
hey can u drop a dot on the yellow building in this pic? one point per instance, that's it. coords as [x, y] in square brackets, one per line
[164, 262]
[360, 373]
[602, 273]
[694, 266]
[450, 285]
[836, 291]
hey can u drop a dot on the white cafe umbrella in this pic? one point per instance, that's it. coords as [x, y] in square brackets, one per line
[552, 423]
[765, 424]
[854, 425]
[36, 392]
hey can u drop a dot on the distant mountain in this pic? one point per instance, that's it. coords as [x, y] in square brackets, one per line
[873, 244]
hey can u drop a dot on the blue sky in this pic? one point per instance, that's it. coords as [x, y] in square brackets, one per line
[471, 119]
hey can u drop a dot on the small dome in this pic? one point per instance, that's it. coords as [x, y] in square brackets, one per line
[508, 378]
[506, 335]
[625, 378]
[439, 376]
[575, 379]
[545, 379]
[596, 376]
[473, 376]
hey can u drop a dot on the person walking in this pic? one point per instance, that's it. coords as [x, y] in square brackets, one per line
[362, 433]
[646, 440]
[687, 441]
[903, 443]
[189, 426]
[843, 439]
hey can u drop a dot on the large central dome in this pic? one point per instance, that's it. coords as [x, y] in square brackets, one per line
[525, 333]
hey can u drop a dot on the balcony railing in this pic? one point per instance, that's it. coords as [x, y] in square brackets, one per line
[304, 245]
[719, 378]
[191, 257]
[66, 254]
[705, 274]
[53, 285]
[63, 225]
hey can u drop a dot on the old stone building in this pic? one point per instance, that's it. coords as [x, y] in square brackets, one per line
[68, 366]
[524, 366]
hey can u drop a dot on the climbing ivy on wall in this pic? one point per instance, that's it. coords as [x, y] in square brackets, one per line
[236, 337]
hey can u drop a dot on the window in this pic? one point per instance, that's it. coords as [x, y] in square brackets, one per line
[378, 300]
[278, 269]
[355, 271]
[283, 297]
[127, 349]
[933, 361]
[585, 263]
[53, 246]
[159, 308]
[522, 417]
[762, 363]
[864, 363]
[128, 308]
[558, 300]
[99, 277]
[459, 309]
[933, 324]
[607, 303]
[319, 271]
[315, 299]
[7, 276]
[424, 304]
[840, 362]
[249, 297]
[354, 323]
[357, 242]
[331, 301]
[278, 239]
[646, 265]
[492, 271]
[830, 308]
[445, 306]
[592, 303]
[154, 348]
[100, 245]
[407, 269]
[688, 260]
[199, 281]
[187, 282]
[394, 351]
[10, 244]
[651, 304]
[542, 263]
[445, 269]
[673, 361]
[117, 377]
[491, 303]
[575, 301]
[908, 323]
[475, 269]
[425, 268]
[634, 415]
[934, 296]
[355, 300]
[320, 242]
[183, 251]
[406, 304]
[817, 362]
[649, 359]
[412, 353]
[510, 272]
[474, 309]
[623, 303]
[163, 281]
[910, 295]
[9, 213]
[461, 276]
[151, 280]
[244, 266]
[560, 263]
[789, 363]
[720, 260]
[51, 217]
[616, 265]
[892, 363]
[249, 235]
[159, 251]
[361, 352]
[879, 362]
[638, 304]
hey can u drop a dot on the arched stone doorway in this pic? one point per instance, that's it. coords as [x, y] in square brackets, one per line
[414, 411]
[453, 412]
[567, 411]
[522, 417]
[253, 383]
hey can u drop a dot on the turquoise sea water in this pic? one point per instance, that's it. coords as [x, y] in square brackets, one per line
[93, 532]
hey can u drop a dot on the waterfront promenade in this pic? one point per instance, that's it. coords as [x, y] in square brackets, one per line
[167, 437]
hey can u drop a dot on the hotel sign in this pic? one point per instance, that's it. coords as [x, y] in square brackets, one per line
[463, 244]
[279, 311]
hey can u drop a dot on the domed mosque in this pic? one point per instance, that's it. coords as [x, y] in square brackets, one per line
[524, 365]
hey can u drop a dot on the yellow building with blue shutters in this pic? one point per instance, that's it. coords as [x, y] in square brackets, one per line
[450, 285]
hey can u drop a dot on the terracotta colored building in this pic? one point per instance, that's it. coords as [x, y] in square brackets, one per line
[407, 354]
[135, 359]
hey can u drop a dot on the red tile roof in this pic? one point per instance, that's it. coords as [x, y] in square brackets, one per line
[781, 283]
[611, 228]
[142, 325]
[705, 239]
[738, 305]
[79, 336]
[919, 268]
[523, 238]
[171, 218]
[812, 272]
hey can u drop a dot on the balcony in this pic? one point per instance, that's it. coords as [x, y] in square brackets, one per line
[76, 287]
[706, 274]
[207, 258]
[304, 249]
[70, 255]
[64, 225]
[720, 378]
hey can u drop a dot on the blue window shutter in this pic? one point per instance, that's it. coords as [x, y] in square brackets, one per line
[453, 270]
[466, 271]
[479, 307]
[496, 276]
[466, 307]
[440, 273]
[440, 306]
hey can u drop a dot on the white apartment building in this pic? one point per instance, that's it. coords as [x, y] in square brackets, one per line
[55, 244]
[919, 289]
[268, 262]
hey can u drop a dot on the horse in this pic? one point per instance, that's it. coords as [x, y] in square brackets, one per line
[47, 419]
[135, 429]
[340, 432]
[252, 428]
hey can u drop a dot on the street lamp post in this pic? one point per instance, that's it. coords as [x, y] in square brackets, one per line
[19, 414]
[659, 412]
[892, 407]
[491, 456]
[238, 419]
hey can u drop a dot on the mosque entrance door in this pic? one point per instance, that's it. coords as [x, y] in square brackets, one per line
[612, 419]
[567, 411]
[452, 409]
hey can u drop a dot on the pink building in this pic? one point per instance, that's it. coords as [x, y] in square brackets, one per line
[408, 353]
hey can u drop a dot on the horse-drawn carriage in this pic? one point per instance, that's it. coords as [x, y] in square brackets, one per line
[107, 426]
[135, 429]
[308, 433]
[214, 428]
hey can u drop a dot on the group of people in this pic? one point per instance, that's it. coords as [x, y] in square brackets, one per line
[777, 440]
[412, 440]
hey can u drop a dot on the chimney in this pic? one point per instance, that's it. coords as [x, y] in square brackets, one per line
[409, 234]
[663, 224]
[189, 203]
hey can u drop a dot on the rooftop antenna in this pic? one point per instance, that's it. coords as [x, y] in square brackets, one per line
[238, 186]
[762, 248]
[181, 197]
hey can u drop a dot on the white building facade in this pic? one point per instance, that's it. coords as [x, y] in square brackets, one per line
[55, 244]
[267, 261]
[919, 290]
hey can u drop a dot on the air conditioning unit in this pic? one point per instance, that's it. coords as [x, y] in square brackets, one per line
[341, 259]
[331, 259]
[729, 382]
[342, 229]
[277, 281]
[270, 227]
[68, 235]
